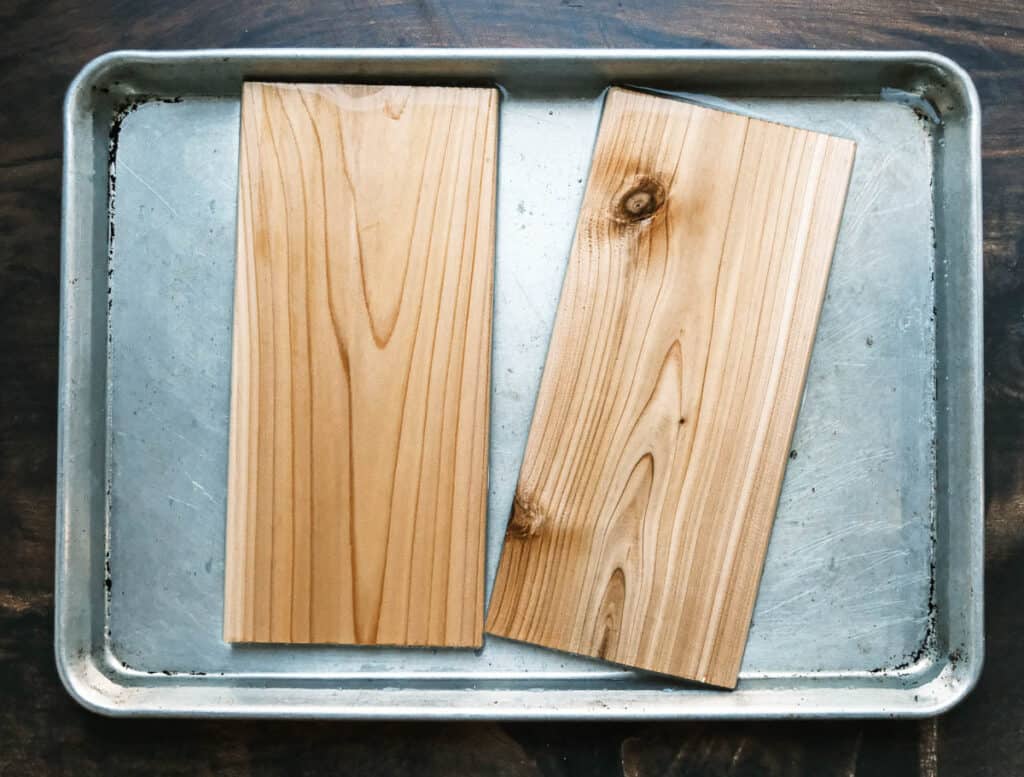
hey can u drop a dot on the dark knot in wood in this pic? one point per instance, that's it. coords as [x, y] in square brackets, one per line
[526, 519]
[639, 201]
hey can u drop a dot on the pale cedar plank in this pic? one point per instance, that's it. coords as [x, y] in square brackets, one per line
[671, 388]
[361, 365]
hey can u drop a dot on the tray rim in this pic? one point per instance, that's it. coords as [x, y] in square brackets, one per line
[103, 685]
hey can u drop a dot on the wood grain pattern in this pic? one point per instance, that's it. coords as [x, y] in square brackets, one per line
[361, 369]
[671, 388]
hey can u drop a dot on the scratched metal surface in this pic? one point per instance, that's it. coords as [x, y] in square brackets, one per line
[848, 601]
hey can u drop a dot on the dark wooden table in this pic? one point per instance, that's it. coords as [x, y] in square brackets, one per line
[42, 45]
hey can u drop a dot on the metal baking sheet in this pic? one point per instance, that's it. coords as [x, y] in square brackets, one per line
[871, 599]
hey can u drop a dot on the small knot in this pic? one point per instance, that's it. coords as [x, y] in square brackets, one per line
[526, 519]
[640, 201]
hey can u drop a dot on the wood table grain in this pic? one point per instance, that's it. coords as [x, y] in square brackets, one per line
[42, 731]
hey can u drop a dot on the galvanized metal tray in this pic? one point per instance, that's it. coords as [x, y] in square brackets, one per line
[871, 602]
